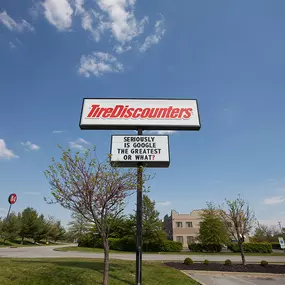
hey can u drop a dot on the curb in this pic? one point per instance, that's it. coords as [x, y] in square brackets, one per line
[192, 277]
[246, 274]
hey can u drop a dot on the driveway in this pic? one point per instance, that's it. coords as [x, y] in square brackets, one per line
[213, 278]
[48, 252]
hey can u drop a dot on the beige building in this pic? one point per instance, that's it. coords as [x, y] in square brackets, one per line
[183, 227]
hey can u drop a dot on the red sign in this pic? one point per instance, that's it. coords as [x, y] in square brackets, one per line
[125, 112]
[12, 199]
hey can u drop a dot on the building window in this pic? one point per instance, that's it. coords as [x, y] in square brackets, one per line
[179, 224]
[179, 239]
[189, 224]
[190, 239]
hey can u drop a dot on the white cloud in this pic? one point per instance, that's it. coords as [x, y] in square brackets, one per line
[58, 13]
[274, 200]
[79, 9]
[5, 152]
[79, 144]
[57, 132]
[165, 203]
[121, 18]
[12, 46]
[161, 132]
[99, 63]
[30, 146]
[155, 38]
[121, 49]
[12, 25]
[32, 193]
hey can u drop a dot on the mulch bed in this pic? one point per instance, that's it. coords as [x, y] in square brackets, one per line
[255, 268]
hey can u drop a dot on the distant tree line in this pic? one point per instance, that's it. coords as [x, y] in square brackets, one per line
[30, 225]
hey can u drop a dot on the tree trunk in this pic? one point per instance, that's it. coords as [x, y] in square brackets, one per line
[241, 252]
[106, 261]
[22, 240]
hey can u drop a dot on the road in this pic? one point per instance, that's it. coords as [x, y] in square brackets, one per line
[48, 252]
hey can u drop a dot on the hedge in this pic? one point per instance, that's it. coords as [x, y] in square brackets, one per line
[170, 246]
[129, 244]
[275, 245]
[90, 240]
[198, 247]
[252, 247]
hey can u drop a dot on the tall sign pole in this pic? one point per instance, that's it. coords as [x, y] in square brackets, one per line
[139, 220]
[139, 150]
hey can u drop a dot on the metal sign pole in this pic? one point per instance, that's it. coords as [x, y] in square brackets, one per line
[9, 211]
[139, 221]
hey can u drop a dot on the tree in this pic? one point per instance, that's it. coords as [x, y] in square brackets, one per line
[78, 226]
[28, 223]
[42, 229]
[264, 233]
[95, 190]
[57, 231]
[239, 220]
[11, 227]
[212, 228]
[152, 230]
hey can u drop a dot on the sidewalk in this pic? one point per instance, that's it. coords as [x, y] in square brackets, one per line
[229, 278]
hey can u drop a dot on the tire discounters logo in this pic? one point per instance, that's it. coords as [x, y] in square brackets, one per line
[12, 199]
[158, 114]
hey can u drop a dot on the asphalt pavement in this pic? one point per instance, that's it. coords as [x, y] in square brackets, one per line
[215, 278]
[48, 252]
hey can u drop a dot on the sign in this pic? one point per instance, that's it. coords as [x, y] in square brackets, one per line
[12, 199]
[130, 151]
[132, 114]
[281, 241]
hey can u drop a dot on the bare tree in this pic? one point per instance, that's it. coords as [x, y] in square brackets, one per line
[239, 220]
[95, 190]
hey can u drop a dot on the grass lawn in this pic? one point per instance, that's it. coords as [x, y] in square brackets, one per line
[17, 243]
[99, 250]
[85, 272]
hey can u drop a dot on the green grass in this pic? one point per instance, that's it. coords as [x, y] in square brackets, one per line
[17, 243]
[99, 250]
[85, 272]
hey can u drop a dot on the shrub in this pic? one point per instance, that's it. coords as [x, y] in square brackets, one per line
[212, 247]
[123, 244]
[257, 247]
[196, 247]
[188, 261]
[206, 262]
[252, 247]
[115, 243]
[263, 263]
[275, 245]
[169, 246]
[90, 240]
[228, 262]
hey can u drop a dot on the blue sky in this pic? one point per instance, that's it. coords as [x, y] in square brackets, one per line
[227, 54]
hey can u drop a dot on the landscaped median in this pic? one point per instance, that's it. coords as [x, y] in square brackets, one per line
[85, 271]
[228, 266]
[100, 250]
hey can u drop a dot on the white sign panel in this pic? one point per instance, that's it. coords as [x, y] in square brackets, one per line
[130, 151]
[147, 114]
[281, 241]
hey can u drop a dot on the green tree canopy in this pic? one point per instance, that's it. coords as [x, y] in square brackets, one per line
[212, 228]
[152, 230]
